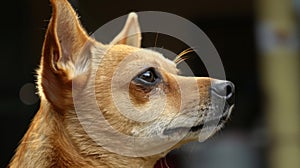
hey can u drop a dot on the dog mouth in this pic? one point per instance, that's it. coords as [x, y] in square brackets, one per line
[207, 124]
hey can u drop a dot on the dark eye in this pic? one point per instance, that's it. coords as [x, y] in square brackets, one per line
[148, 77]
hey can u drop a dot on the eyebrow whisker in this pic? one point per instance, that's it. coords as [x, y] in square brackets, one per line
[182, 56]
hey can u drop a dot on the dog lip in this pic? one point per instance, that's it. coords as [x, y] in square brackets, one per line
[196, 127]
[210, 123]
[225, 116]
[179, 130]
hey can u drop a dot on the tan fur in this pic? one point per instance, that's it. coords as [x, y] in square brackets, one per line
[56, 137]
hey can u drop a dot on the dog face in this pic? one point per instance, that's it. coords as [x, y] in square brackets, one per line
[138, 91]
[146, 87]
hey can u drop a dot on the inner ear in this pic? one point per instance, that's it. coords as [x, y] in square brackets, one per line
[131, 32]
[65, 39]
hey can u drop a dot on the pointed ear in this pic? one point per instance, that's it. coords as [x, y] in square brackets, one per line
[131, 33]
[65, 57]
[65, 40]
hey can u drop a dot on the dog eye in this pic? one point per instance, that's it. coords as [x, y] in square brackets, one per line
[148, 77]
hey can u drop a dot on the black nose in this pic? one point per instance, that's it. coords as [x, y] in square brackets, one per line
[224, 89]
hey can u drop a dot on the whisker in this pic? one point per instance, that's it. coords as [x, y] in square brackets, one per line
[156, 37]
[182, 56]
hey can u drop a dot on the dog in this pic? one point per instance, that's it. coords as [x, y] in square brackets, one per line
[124, 78]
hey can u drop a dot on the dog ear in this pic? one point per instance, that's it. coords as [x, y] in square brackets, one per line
[65, 56]
[131, 32]
[65, 40]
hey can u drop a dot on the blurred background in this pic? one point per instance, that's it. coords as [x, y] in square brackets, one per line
[258, 42]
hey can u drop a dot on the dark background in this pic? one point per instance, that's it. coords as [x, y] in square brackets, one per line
[229, 25]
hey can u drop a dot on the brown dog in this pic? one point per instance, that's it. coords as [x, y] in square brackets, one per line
[138, 93]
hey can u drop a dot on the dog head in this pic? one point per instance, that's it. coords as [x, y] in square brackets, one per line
[137, 92]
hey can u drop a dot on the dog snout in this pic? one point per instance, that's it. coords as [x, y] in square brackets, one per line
[224, 89]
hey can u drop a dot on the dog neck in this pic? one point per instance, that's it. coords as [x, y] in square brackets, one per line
[59, 141]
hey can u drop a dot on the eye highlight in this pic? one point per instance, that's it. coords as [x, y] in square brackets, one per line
[148, 77]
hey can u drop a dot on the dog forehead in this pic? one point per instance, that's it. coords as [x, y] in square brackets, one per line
[143, 56]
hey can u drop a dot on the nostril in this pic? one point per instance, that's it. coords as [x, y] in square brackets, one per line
[229, 89]
[230, 93]
[223, 88]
